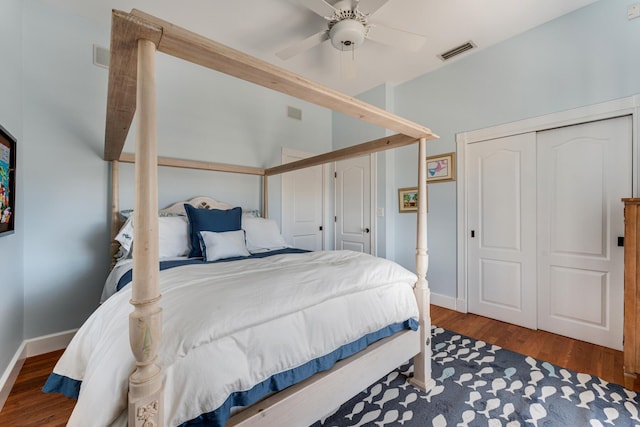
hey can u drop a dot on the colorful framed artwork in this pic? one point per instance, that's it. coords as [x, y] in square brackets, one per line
[441, 168]
[7, 182]
[408, 199]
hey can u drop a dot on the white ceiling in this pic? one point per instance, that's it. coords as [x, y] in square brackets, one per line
[263, 27]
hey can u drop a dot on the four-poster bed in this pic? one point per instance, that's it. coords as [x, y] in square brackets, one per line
[134, 40]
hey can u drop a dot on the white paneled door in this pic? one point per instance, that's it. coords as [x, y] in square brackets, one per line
[583, 172]
[501, 232]
[302, 204]
[544, 218]
[353, 204]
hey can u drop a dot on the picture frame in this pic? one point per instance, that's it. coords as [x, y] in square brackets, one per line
[441, 168]
[7, 182]
[408, 199]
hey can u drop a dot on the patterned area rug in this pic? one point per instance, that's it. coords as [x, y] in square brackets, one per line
[479, 384]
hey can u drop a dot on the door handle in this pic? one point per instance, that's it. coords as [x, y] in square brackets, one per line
[366, 230]
[320, 228]
[621, 241]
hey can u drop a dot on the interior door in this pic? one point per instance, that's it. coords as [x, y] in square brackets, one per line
[501, 237]
[583, 172]
[353, 204]
[302, 204]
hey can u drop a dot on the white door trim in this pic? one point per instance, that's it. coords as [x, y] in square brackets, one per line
[605, 110]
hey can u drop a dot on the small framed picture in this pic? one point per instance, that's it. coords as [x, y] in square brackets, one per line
[441, 168]
[7, 182]
[408, 199]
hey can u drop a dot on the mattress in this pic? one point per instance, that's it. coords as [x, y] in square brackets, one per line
[234, 332]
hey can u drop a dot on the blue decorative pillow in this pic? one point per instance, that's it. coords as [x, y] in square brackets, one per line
[210, 220]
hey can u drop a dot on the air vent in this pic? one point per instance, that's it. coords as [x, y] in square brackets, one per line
[101, 56]
[457, 50]
[294, 113]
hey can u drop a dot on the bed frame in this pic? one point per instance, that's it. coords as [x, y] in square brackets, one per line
[135, 37]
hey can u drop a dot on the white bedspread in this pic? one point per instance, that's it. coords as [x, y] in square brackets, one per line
[229, 326]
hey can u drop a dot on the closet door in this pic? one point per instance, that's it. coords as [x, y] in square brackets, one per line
[501, 238]
[583, 172]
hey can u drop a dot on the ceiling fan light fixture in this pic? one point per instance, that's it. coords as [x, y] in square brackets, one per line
[347, 33]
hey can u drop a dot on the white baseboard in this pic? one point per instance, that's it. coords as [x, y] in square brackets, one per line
[443, 301]
[49, 343]
[29, 348]
[11, 373]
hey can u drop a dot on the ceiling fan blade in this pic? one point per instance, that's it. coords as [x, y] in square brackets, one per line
[369, 7]
[320, 7]
[396, 38]
[301, 46]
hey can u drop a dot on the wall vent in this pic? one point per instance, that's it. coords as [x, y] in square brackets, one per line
[294, 113]
[457, 50]
[101, 56]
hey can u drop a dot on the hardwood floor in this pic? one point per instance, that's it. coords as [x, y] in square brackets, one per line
[28, 406]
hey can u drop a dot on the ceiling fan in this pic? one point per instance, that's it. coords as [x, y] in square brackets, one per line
[348, 26]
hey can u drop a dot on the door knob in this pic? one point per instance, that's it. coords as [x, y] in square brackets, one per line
[366, 230]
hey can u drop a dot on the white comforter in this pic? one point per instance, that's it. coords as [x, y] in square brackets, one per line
[229, 326]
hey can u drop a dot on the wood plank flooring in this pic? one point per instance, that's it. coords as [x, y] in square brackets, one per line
[28, 406]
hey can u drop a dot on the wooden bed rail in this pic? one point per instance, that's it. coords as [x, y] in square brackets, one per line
[181, 43]
[193, 164]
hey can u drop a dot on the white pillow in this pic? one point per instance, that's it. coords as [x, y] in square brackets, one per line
[173, 236]
[263, 234]
[125, 237]
[225, 244]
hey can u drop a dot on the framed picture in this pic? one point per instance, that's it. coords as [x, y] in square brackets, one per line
[7, 182]
[408, 199]
[441, 168]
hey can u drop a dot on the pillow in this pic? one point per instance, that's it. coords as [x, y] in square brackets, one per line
[226, 244]
[210, 220]
[125, 237]
[173, 237]
[263, 234]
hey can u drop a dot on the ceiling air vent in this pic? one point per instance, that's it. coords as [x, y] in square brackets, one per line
[457, 50]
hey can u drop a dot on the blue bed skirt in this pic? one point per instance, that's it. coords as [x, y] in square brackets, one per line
[217, 418]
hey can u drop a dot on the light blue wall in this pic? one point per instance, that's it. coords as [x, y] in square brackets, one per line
[586, 57]
[11, 246]
[202, 115]
[65, 189]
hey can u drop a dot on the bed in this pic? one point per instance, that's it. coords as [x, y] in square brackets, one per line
[151, 392]
[221, 350]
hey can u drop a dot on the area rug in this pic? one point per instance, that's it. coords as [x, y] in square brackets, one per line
[479, 384]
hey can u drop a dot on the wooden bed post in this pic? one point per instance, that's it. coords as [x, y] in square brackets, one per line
[145, 322]
[115, 209]
[422, 362]
[265, 196]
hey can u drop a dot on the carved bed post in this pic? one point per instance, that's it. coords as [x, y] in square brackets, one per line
[145, 322]
[422, 362]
